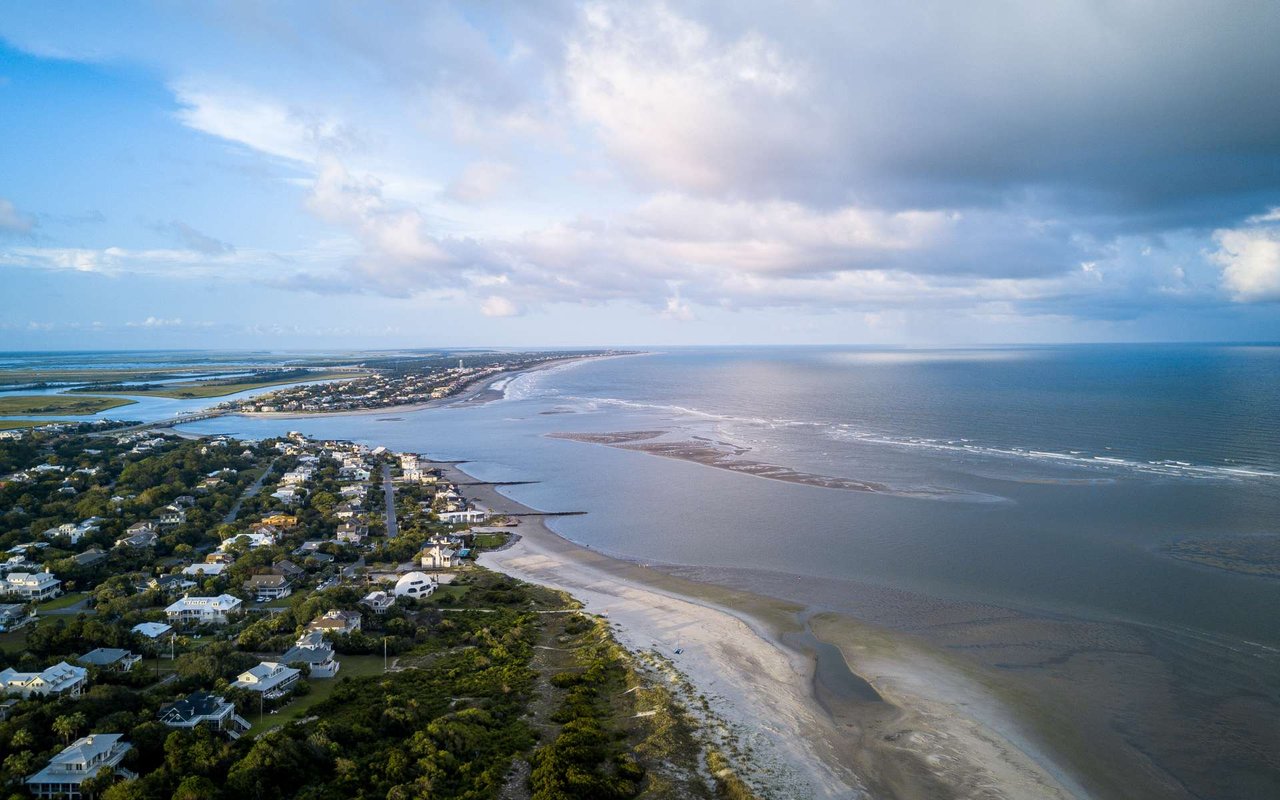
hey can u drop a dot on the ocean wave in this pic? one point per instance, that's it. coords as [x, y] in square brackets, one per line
[1076, 458]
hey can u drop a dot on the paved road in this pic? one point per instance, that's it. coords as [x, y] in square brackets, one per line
[253, 489]
[389, 488]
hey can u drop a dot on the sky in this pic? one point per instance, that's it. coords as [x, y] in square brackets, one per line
[364, 175]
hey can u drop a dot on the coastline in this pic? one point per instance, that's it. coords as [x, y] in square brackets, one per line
[936, 733]
[475, 391]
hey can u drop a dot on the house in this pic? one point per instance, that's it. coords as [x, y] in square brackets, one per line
[352, 532]
[15, 615]
[347, 510]
[202, 610]
[288, 495]
[378, 602]
[312, 649]
[354, 473]
[467, 517]
[205, 570]
[32, 587]
[438, 557]
[253, 540]
[336, 621]
[268, 587]
[171, 517]
[171, 584]
[151, 630]
[280, 520]
[144, 539]
[414, 584]
[204, 708]
[288, 569]
[60, 679]
[269, 678]
[112, 658]
[90, 557]
[79, 762]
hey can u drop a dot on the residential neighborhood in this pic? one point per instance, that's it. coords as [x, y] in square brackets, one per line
[165, 590]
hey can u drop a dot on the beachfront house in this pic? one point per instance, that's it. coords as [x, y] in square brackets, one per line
[336, 621]
[438, 557]
[61, 679]
[378, 602]
[204, 708]
[110, 658]
[31, 587]
[471, 516]
[80, 761]
[271, 679]
[202, 610]
[312, 649]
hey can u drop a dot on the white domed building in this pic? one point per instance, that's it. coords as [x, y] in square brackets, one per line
[414, 584]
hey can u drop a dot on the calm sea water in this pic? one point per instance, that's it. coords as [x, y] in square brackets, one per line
[1070, 467]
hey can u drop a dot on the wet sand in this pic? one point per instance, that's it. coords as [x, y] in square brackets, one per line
[729, 457]
[830, 717]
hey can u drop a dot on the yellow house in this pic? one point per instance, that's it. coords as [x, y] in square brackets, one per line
[280, 520]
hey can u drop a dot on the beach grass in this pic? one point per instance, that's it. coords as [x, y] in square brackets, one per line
[321, 689]
[58, 404]
[205, 389]
[14, 641]
[14, 424]
[62, 601]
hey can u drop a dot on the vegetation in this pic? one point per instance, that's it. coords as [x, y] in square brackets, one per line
[57, 405]
[221, 387]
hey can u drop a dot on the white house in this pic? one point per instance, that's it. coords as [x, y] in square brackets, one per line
[270, 678]
[467, 517]
[336, 621]
[205, 569]
[438, 557]
[80, 761]
[32, 586]
[255, 540]
[378, 602]
[268, 587]
[60, 679]
[203, 708]
[414, 584]
[202, 610]
[312, 649]
[152, 630]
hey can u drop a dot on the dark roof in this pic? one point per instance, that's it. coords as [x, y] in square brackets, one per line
[193, 706]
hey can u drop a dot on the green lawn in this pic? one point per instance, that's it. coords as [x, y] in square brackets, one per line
[321, 690]
[449, 590]
[489, 541]
[64, 601]
[204, 389]
[58, 404]
[11, 424]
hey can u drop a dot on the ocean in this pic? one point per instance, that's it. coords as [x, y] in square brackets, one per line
[1117, 502]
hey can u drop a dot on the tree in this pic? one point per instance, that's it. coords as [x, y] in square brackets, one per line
[69, 725]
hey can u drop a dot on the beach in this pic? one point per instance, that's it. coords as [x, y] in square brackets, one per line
[921, 739]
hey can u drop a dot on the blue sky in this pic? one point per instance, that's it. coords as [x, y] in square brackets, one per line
[369, 175]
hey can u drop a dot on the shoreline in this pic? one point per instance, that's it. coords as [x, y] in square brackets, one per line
[472, 392]
[742, 651]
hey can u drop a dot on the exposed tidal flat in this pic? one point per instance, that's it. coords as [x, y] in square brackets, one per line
[1050, 633]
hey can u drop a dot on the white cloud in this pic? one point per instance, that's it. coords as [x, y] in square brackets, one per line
[495, 306]
[156, 322]
[680, 107]
[1250, 260]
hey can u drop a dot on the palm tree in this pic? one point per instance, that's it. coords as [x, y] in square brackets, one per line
[69, 725]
